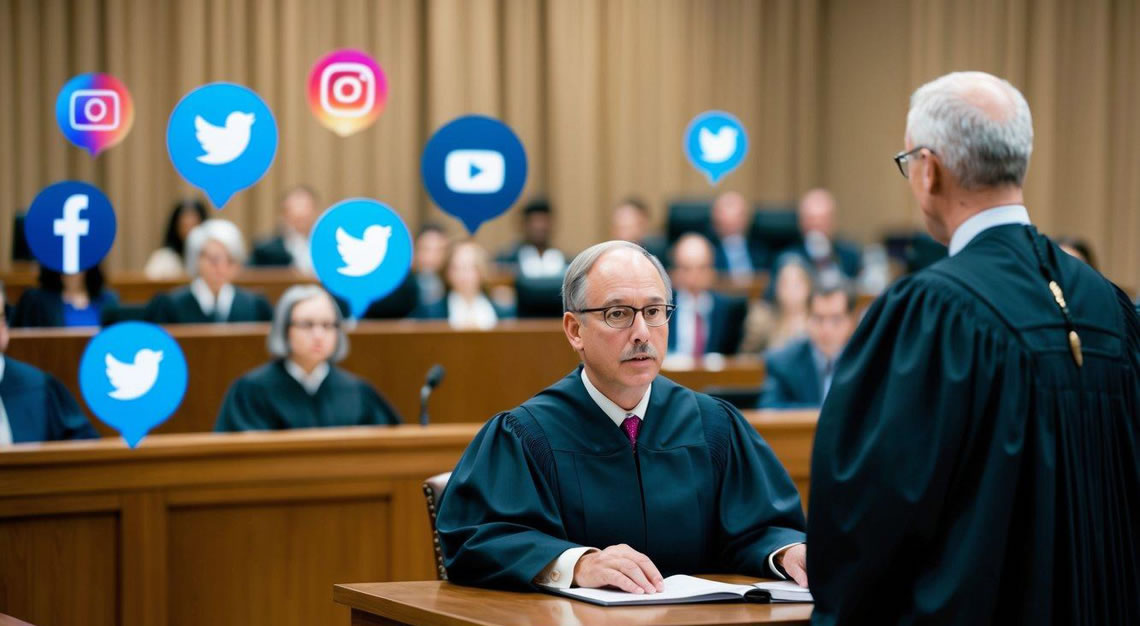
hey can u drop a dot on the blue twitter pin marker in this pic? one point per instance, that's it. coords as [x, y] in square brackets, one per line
[221, 138]
[133, 376]
[715, 143]
[70, 226]
[361, 251]
[474, 168]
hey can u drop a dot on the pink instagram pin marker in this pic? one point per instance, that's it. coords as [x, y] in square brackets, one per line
[347, 91]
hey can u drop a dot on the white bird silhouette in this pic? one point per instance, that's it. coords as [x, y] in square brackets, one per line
[362, 256]
[717, 147]
[133, 380]
[223, 143]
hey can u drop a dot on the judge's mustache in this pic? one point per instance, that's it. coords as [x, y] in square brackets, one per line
[640, 349]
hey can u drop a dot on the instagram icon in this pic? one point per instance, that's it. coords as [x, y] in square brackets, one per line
[94, 111]
[347, 91]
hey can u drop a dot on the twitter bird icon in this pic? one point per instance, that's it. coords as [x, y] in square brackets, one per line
[221, 138]
[362, 256]
[715, 143]
[133, 380]
[133, 377]
[223, 144]
[361, 269]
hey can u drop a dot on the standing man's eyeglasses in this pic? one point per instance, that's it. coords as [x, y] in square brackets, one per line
[903, 159]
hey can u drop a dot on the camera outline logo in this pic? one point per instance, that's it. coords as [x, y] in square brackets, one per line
[335, 76]
[108, 99]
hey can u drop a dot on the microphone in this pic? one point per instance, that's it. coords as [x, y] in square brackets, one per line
[434, 377]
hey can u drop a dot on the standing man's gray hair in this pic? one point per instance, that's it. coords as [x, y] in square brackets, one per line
[982, 146]
[574, 282]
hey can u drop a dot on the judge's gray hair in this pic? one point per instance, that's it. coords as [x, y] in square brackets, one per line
[219, 230]
[278, 340]
[981, 148]
[574, 283]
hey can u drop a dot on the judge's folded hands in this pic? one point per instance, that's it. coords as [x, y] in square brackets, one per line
[794, 562]
[619, 566]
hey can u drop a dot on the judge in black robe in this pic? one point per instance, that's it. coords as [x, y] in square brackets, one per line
[700, 491]
[302, 387]
[38, 406]
[974, 463]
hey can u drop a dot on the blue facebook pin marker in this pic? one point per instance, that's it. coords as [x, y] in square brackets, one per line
[474, 168]
[70, 226]
[715, 143]
[133, 376]
[361, 251]
[221, 138]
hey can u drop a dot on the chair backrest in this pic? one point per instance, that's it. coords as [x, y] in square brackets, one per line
[433, 491]
[538, 297]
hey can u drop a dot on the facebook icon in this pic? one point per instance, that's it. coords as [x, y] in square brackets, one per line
[70, 226]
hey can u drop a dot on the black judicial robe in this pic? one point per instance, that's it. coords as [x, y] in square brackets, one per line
[703, 493]
[39, 407]
[181, 307]
[965, 470]
[268, 398]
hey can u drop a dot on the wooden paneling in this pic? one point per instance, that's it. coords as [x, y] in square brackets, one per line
[61, 569]
[487, 372]
[239, 528]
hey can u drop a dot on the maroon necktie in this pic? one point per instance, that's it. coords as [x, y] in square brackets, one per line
[631, 426]
[698, 336]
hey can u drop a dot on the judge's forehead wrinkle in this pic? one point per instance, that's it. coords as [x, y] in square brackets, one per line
[622, 276]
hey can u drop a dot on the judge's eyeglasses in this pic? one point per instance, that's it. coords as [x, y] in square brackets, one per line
[622, 316]
[903, 159]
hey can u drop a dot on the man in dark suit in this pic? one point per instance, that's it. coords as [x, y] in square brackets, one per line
[799, 374]
[34, 406]
[705, 321]
[535, 256]
[736, 254]
[290, 247]
[819, 244]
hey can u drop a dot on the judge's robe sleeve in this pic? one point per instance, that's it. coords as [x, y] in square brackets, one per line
[245, 407]
[499, 523]
[759, 508]
[379, 410]
[890, 440]
[66, 419]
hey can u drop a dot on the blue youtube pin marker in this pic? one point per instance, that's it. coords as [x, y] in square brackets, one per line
[474, 168]
[361, 251]
[133, 376]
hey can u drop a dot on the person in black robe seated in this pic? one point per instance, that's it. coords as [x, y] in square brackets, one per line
[616, 476]
[800, 374]
[302, 387]
[34, 405]
[977, 460]
[215, 252]
[65, 300]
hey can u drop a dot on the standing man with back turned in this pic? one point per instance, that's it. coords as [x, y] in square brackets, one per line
[977, 459]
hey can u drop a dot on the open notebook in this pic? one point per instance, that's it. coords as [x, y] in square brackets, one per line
[688, 589]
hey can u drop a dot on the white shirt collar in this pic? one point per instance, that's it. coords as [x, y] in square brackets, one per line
[298, 247]
[550, 263]
[701, 302]
[479, 313]
[205, 297]
[985, 220]
[610, 408]
[1, 367]
[311, 382]
[5, 425]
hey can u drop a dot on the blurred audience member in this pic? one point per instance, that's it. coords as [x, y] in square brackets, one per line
[302, 387]
[705, 321]
[167, 263]
[820, 246]
[34, 406]
[771, 325]
[466, 305]
[290, 247]
[65, 300]
[430, 255]
[630, 221]
[535, 256]
[799, 375]
[215, 253]
[736, 254]
[1079, 248]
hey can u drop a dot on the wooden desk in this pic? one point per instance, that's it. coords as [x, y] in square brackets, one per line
[444, 604]
[487, 371]
[134, 287]
[236, 528]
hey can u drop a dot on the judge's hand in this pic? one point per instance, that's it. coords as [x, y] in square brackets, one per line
[794, 562]
[619, 566]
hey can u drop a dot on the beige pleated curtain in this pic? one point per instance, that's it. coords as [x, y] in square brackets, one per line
[599, 92]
